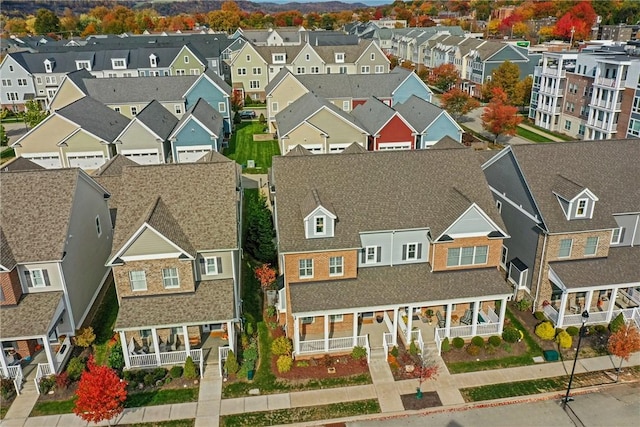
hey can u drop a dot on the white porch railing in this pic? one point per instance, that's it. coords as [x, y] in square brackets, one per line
[63, 352]
[417, 337]
[223, 353]
[366, 345]
[438, 341]
[44, 370]
[487, 329]
[335, 344]
[465, 332]
[596, 317]
[551, 313]
[493, 317]
[166, 358]
[387, 341]
[15, 373]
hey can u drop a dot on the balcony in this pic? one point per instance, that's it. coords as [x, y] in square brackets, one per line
[549, 109]
[609, 83]
[608, 105]
[554, 72]
[552, 91]
[603, 126]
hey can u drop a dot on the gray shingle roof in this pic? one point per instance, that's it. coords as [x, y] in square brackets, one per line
[354, 148]
[298, 150]
[206, 114]
[380, 286]
[161, 219]
[608, 168]
[418, 112]
[218, 80]
[619, 267]
[373, 114]
[446, 143]
[211, 302]
[37, 234]
[19, 164]
[197, 191]
[158, 119]
[7, 259]
[214, 157]
[85, 113]
[78, 77]
[114, 166]
[136, 89]
[351, 52]
[275, 81]
[266, 52]
[365, 198]
[566, 188]
[32, 316]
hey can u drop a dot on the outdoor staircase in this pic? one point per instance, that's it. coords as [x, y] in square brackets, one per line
[28, 387]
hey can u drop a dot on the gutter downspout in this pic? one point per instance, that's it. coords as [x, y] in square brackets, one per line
[544, 251]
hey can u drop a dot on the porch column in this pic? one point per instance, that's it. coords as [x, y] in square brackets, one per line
[296, 334]
[409, 323]
[395, 325]
[185, 335]
[326, 333]
[563, 307]
[49, 352]
[3, 362]
[447, 321]
[612, 304]
[156, 344]
[587, 301]
[355, 328]
[503, 312]
[125, 349]
[229, 336]
[474, 320]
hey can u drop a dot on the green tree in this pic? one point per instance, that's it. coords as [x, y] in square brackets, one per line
[522, 96]
[444, 76]
[260, 233]
[34, 114]
[4, 139]
[505, 77]
[46, 22]
[458, 103]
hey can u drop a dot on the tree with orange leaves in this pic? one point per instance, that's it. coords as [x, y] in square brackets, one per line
[101, 394]
[623, 342]
[266, 275]
[499, 117]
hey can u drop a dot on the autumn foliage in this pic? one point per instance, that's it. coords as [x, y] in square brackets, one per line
[499, 117]
[458, 103]
[624, 342]
[101, 393]
[444, 76]
[266, 275]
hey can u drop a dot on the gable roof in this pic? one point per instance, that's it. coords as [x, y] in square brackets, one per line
[275, 81]
[78, 76]
[203, 113]
[218, 81]
[121, 90]
[374, 114]
[351, 52]
[95, 118]
[298, 150]
[114, 166]
[213, 157]
[19, 164]
[266, 52]
[354, 148]
[447, 143]
[356, 187]
[158, 119]
[609, 168]
[418, 112]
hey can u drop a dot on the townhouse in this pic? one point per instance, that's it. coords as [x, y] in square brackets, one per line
[588, 94]
[360, 272]
[176, 259]
[572, 211]
[52, 264]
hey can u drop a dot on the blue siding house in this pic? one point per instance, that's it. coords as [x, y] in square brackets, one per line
[431, 122]
[200, 130]
[412, 85]
[216, 92]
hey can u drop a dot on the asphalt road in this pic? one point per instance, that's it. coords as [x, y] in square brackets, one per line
[617, 406]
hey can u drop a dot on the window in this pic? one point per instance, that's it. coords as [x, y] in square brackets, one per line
[36, 278]
[222, 107]
[242, 71]
[365, 69]
[372, 254]
[567, 125]
[186, 59]
[307, 320]
[248, 58]
[179, 72]
[39, 80]
[170, 278]
[274, 106]
[617, 235]
[565, 248]
[194, 72]
[13, 96]
[134, 111]
[6, 82]
[22, 82]
[336, 264]
[138, 280]
[373, 56]
[581, 129]
[254, 84]
[47, 67]
[319, 228]
[503, 256]
[305, 268]
[634, 127]
[116, 109]
[256, 71]
[591, 246]
[307, 57]
[177, 108]
[300, 70]
[315, 70]
[636, 104]
[11, 68]
[473, 255]
[581, 210]
[411, 251]
[379, 69]
[212, 266]
[278, 58]
[346, 105]
[50, 80]
[339, 57]
[342, 70]
[499, 205]
[153, 61]
[118, 63]
[336, 318]
[98, 227]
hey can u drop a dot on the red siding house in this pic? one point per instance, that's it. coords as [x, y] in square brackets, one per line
[388, 130]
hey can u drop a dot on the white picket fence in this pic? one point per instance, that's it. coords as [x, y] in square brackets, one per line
[387, 341]
[332, 345]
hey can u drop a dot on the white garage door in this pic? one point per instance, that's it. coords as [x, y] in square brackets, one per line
[395, 145]
[143, 157]
[192, 154]
[89, 160]
[46, 160]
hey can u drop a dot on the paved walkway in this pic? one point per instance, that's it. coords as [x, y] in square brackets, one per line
[210, 405]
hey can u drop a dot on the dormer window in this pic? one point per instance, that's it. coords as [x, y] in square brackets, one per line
[617, 235]
[118, 64]
[153, 60]
[339, 58]
[278, 58]
[320, 226]
[320, 221]
[581, 209]
[48, 66]
[83, 65]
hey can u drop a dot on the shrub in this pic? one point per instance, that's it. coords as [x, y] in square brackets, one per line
[231, 363]
[85, 337]
[190, 372]
[479, 341]
[394, 351]
[176, 371]
[62, 380]
[413, 348]
[616, 323]
[510, 334]
[271, 310]
[564, 340]
[546, 331]
[302, 363]
[523, 305]
[446, 345]
[244, 341]
[495, 341]
[359, 353]
[284, 363]
[262, 119]
[573, 331]
[458, 343]
[148, 380]
[47, 384]
[250, 329]
[75, 368]
[281, 346]
[601, 329]
[327, 361]
[116, 358]
[250, 354]
[7, 389]
[473, 350]
[237, 119]
[159, 374]
[539, 315]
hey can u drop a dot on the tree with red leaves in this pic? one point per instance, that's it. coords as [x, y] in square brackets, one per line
[426, 371]
[266, 275]
[579, 19]
[101, 394]
[499, 117]
[444, 76]
[622, 343]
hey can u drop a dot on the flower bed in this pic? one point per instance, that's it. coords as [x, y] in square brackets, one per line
[403, 364]
[320, 368]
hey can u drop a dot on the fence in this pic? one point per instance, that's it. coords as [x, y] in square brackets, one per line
[44, 370]
[387, 341]
[417, 337]
[15, 373]
[166, 358]
[223, 353]
[331, 345]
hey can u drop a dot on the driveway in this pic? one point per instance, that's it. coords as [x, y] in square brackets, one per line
[14, 131]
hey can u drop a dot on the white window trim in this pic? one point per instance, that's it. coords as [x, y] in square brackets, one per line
[177, 108]
[618, 238]
[144, 273]
[274, 106]
[134, 111]
[336, 318]
[346, 105]
[41, 273]
[300, 269]
[560, 248]
[98, 226]
[186, 59]
[341, 258]
[339, 57]
[584, 210]
[323, 232]
[415, 252]
[499, 206]
[222, 107]
[595, 251]
[375, 255]
[177, 277]
[214, 270]
[305, 320]
[504, 255]
[365, 69]
[459, 264]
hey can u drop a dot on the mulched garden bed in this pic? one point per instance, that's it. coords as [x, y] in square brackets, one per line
[429, 399]
[404, 366]
[488, 353]
[318, 368]
[60, 393]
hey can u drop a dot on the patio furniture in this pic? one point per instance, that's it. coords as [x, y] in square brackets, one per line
[441, 321]
[575, 309]
[467, 317]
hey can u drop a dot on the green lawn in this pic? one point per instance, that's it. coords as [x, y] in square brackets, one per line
[103, 322]
[162, 397]
[242, 147]
[7, 154]
[531, 136]
[4, 410]
[53, 407]
[172, 423]
[297, 415]
[519, 388]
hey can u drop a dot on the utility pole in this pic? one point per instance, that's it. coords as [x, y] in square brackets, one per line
[573, 30]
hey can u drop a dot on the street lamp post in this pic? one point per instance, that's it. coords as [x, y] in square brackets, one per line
[585, 317]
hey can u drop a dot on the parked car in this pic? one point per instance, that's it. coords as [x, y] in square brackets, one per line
[248, 114]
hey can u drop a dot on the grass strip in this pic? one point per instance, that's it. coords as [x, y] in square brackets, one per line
[162, 397]
[7, 154]
[242, 147]
[103, 322]
[532, 136]
[297, 415]
[53, 407]
[534, 348]
[485, 365]
[172, 423]
[3, 411]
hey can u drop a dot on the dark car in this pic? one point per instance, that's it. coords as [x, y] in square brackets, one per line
[248, 114]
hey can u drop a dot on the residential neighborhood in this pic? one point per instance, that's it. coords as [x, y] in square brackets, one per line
[258, 216]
